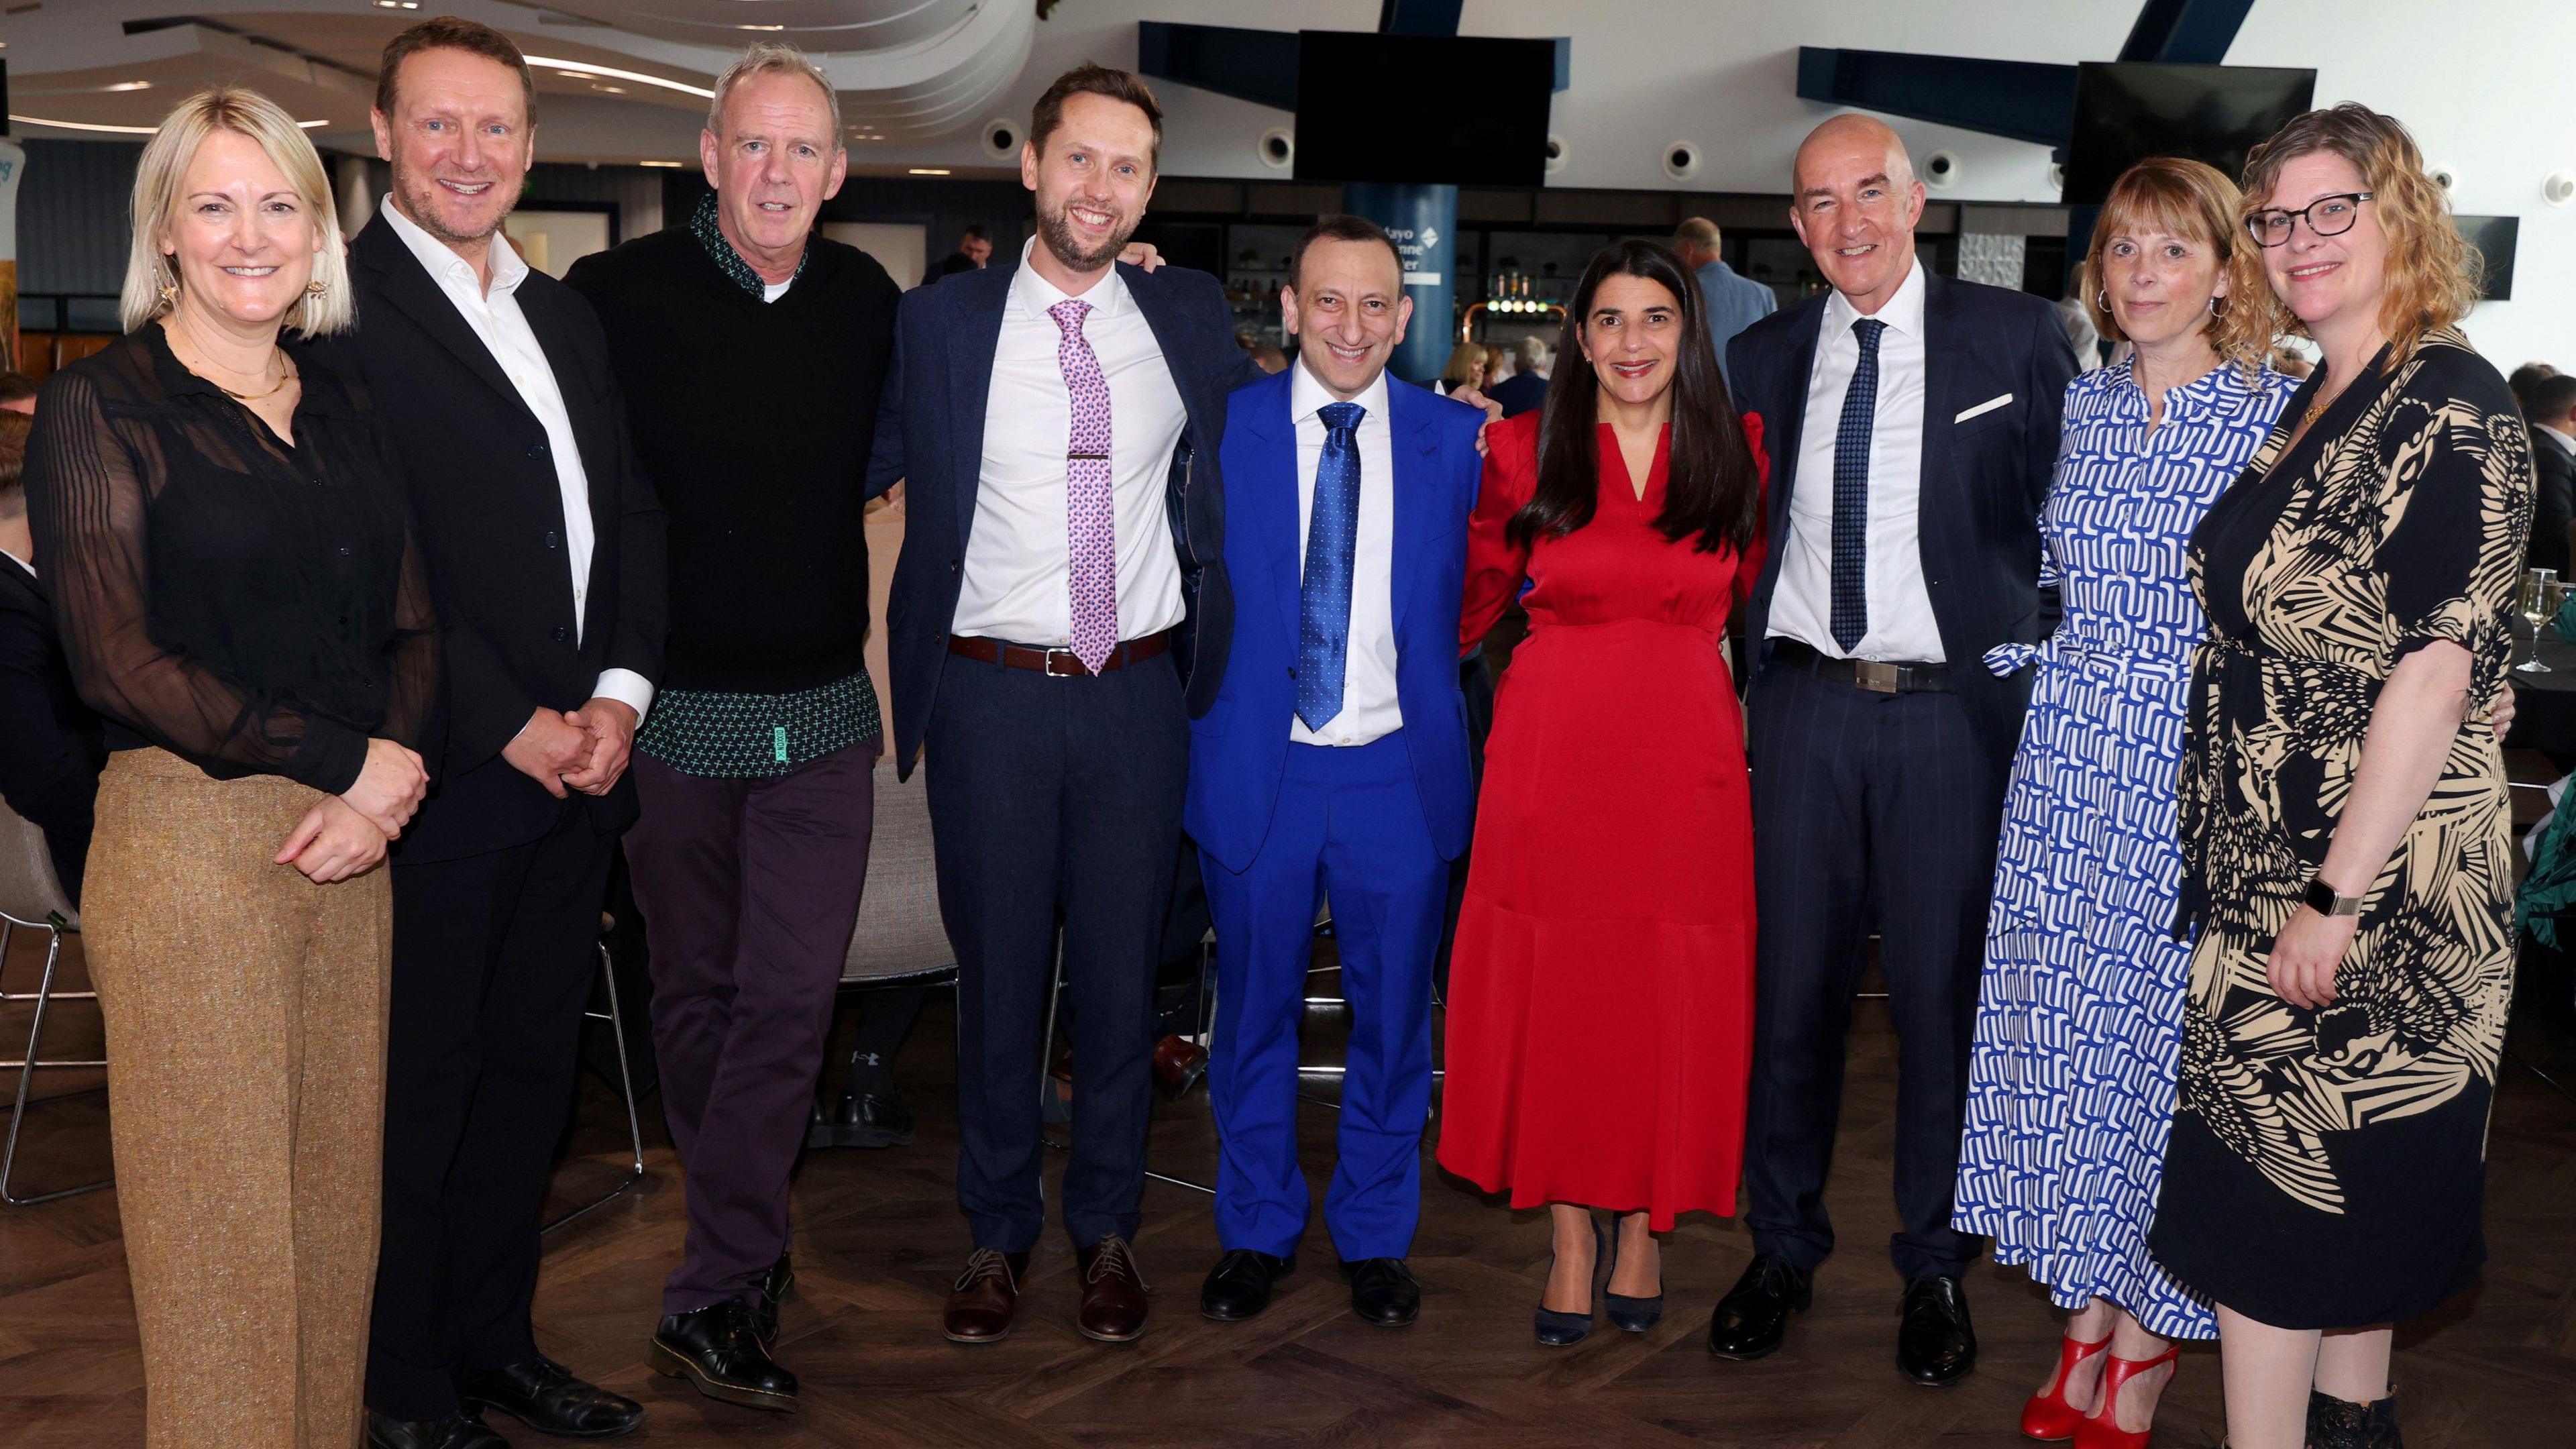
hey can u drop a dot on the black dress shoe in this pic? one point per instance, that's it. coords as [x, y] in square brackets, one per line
[720, 1351]
[545, 1396]
[1383, 1291]
[776, 1287]
[1238, 1287]
[463, 1431]
[1935, 1343]
[1754, 1315]
[872, 1119]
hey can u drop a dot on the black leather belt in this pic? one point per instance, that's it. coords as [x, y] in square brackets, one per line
[1059, 662]
[1875, 675]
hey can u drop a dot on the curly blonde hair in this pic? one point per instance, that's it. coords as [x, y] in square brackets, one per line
[2190, 199]
[2432, 275]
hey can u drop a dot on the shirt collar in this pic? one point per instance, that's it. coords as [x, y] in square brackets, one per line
[1307, 396]
[22, 563]
[509, 269]
[2564, 440]
[1108, 296]
[702, 224]
[1904, 311]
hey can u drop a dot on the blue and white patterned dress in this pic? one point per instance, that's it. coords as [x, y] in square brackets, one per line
[2079, 1019]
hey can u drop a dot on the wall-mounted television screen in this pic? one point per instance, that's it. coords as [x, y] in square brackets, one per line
[1426, 109]
[2127, 111]
[2495, 238]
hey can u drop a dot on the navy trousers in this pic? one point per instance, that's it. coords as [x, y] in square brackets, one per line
[1349, 824]
[1054, 800]
[749, 888]
[1867, 809]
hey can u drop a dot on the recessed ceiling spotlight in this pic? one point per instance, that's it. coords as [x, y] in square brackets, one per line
[131, 86]
[929, 170]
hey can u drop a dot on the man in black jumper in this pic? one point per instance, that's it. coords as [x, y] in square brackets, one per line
[752, 353]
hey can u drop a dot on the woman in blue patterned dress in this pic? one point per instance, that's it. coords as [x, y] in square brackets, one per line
[2071, 1088]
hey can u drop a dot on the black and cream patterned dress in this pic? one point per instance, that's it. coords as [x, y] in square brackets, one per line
[2326, 1167]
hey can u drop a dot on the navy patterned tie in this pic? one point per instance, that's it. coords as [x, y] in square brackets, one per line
[1332, 542]
[1851, 491]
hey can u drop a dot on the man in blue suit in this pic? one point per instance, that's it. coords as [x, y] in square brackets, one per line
[1059, 611]
[1334, 762]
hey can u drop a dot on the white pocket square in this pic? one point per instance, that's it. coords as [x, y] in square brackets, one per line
[1983, 408]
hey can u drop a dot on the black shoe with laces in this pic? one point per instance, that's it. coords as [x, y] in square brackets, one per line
[457, 1431]
[776, 1287]
[1936, 1345]
[1753, 1317]
[719, 1349]
[1383, 1291]
[547, 1397]
[1238, 1287]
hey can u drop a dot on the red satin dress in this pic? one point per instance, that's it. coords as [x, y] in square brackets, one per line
[1601, 991]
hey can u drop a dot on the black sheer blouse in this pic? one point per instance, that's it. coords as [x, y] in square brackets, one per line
[254, 607]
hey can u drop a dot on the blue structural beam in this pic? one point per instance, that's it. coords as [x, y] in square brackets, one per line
[1259, 66]
[2193, 31]
[2026, 100]
[1419, 17]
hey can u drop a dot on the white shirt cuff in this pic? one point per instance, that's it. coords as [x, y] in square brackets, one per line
[626, 687]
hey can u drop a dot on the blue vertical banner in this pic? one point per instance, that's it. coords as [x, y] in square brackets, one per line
[1423, 221]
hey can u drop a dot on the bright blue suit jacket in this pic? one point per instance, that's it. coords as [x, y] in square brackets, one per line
[1239, 748]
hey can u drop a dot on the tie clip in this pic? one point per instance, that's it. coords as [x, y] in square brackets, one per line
[1086, 457]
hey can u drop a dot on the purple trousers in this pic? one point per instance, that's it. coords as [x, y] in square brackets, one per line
[749, 890]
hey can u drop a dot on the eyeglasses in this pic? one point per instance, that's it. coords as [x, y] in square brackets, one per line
[2326, 216]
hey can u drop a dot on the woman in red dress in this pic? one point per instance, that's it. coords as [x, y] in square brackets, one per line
[1601, 1000]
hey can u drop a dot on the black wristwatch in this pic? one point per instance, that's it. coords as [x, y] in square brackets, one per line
[2321, 898]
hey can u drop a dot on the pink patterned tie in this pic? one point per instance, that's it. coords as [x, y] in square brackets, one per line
[1090, 525]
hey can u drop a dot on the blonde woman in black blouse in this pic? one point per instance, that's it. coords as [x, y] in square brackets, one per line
[238, 596]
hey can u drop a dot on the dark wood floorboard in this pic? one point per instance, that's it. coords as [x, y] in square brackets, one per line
[879, 1238]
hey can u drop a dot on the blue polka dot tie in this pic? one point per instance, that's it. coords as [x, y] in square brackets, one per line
[1332, 545]
[1851, 491]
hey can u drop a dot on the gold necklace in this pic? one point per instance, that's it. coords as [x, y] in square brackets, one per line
[286, 373]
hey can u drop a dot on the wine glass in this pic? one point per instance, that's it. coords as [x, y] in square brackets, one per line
[2537, 589]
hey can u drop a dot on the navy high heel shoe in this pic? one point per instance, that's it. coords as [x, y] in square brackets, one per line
[1562, 1330]
[1635, 1315]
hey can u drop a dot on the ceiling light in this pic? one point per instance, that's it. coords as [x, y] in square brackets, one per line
[760, 27]
[610, 90]
[398, 4]
[131, 86]
[119, 130]
[585, 70]
[673, 165]
[929, 170]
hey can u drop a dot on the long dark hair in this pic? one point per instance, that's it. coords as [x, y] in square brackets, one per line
[1712, 494]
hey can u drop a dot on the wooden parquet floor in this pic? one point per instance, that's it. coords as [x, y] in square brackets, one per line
[879, 1238]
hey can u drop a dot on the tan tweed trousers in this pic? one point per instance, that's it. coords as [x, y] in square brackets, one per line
[245, 1012]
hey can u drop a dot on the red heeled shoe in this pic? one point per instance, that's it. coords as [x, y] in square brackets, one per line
[2101, 1429]
[2048, 1417]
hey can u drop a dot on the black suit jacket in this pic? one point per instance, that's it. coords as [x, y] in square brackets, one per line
[2553, 505]
[491, 525]
[1983, 479]
[50, 749]
[930, 435]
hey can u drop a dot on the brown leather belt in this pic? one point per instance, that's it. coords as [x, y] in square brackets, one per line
[1059, 663]
[1876, 676]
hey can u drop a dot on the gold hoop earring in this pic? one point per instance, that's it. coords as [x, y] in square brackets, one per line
[2216, 304]
[169, 291]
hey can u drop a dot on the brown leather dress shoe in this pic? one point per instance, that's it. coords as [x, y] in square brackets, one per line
[1113, 1292]
[987, 1294]
[1179, 1064]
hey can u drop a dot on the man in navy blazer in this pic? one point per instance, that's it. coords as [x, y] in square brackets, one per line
[1059, 610]
[1912, 427]
[1334, 762]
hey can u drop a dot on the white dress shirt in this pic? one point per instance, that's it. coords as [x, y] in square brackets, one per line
[22, 563]
[503, 329]
[1369, 709]
[1018, 583]
[1901, 626]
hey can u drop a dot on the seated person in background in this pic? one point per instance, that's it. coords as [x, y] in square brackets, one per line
[18, 395]
[1467, 368]
[2551, 412]
[1526, 388]
[50, 749]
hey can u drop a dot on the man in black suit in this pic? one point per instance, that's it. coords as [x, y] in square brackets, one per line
[2552, 414]
[50, 749]
[1912, 427]
[974, 252]
[544, 544]
[1060, 609]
